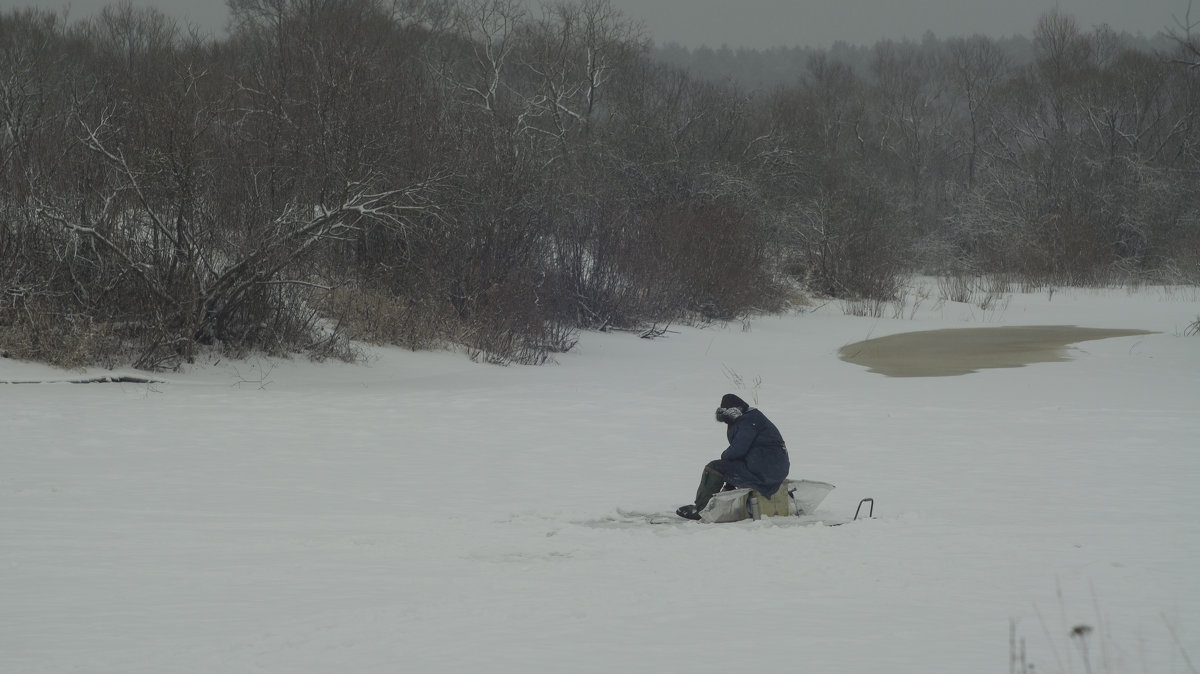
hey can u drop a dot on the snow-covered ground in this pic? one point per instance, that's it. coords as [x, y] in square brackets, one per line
[421, 513]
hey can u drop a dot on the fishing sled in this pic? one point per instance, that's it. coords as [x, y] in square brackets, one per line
[795, 502]
[793, 498]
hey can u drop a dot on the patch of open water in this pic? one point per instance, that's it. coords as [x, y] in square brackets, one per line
[959, 351]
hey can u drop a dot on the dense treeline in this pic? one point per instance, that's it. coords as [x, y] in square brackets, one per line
[766, 69]
[467, 172]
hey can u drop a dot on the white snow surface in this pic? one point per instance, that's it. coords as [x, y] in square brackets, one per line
[423, 513]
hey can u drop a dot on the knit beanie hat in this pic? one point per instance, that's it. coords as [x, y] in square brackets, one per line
[729, 400]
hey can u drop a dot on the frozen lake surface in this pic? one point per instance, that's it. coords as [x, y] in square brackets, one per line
[422, 513]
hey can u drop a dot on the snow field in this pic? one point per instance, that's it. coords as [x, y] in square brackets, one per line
[424, 513]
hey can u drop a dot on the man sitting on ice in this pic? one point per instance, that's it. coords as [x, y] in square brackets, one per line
[756, 457]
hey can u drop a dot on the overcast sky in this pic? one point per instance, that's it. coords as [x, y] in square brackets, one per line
[770, 23]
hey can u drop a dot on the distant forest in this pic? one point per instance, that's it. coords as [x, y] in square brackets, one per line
[464, 172]
[764, 70]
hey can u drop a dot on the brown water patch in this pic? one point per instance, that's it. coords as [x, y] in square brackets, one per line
[946, 353]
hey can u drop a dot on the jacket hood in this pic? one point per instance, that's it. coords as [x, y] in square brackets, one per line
[728, 415]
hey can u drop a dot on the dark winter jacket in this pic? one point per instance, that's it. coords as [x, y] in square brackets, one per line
[757, 456]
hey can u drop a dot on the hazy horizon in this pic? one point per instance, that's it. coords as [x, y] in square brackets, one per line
[761, 24]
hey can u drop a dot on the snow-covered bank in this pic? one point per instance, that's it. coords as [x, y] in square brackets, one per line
[423, 513]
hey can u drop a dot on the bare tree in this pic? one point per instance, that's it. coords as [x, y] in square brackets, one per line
[913, 111]
[1186, 34]
[572, 53]
[1063, 56]
[488, 29]
[978, 67]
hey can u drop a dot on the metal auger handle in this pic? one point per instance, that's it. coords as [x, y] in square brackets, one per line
[870, 511]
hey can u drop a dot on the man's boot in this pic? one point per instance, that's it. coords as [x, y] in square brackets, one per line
[710, 483]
